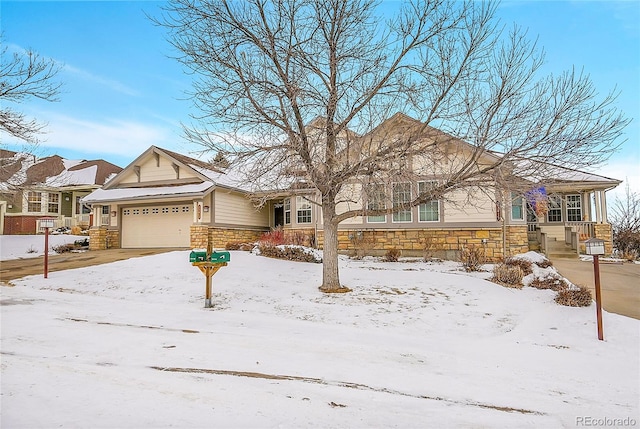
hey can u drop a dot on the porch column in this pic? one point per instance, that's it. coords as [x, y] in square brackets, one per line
[598, 204]
[604, 207]
[97, 213]
[586, 207]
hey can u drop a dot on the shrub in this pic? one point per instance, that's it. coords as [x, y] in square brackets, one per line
[274, 237]
[553, 283]
[287, 252]
[472, 258]
[524, 264]
[392, 255]
[544, 264]
[362, 244]
[508, 275]
[238, 245]
[76, 230]
[64, 248]
[580, 297]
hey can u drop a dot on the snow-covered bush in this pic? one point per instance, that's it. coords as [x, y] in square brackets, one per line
[508, 275]
[289, 252]
[239, 245]
[392, 255]
[553, 283]
[472, 258]
[524, 264]
[580, 297]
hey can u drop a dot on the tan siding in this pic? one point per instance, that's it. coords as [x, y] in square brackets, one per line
[457, 208]
[351, 192]
[236, 209]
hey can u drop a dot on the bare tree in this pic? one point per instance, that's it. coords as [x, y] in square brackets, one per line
[625, 223]
[23, 76]
[299, 92]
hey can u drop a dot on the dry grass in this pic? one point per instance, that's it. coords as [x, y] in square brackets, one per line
[508, 276]
[580, 297]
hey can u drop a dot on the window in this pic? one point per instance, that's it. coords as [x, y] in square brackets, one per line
[136, 211]
[574, 208]
[303, 207]
[376, 201]
[145, 211]
[126, 212]
[401, 197]
[105, 210]
[155, 210]
[53, 205]
[165, 210]
[81, 208]
[34, 201]
[287, 211]
[517, 206]
[429, 211]
[555, 209]
[185, 209]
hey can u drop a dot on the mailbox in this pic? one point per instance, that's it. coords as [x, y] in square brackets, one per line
[220, 257]
[198, 256]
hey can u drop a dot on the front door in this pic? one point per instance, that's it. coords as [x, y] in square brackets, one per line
[278, 214]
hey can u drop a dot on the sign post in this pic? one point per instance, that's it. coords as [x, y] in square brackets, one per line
[595, 247]
[46, 223]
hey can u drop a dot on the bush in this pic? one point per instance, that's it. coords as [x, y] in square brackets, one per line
[508, 275]
[238, 245]
[544, 264]
[580, 297]
[472, 258]
[392, 255]
[274, 237]
[362, 244]
[553, 283]
[524, 264]
[287, 252]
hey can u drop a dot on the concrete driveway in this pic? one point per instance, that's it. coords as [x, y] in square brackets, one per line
[619, 283]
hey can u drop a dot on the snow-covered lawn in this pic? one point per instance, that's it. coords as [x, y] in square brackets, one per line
[130, 345]
[32, 246]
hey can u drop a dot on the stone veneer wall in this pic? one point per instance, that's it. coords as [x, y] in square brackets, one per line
[202, 235]
[444, 243]
[101, 238]
[517, 240]
[97, 238]
[219, 237]
[603, 231]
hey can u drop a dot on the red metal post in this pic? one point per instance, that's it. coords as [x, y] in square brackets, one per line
[46, 253]
[596, 273]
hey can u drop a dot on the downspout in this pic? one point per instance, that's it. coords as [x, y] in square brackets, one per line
[504, 229]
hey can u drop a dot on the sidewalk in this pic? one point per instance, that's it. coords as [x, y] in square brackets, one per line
[619, 283]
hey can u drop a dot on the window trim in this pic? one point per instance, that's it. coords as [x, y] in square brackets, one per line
[578, 207]
[554, 199]
[395, 214]
[37, 200]
[377, 205]
[515, 196]
[287, 211]
[301, 209]
[437, 201]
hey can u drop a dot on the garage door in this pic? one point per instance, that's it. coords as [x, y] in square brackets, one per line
[157, 225]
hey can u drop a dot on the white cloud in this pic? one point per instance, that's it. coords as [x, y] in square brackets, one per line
[111, 136]
[109, 83]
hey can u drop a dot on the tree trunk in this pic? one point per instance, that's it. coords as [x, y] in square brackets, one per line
[330, 277]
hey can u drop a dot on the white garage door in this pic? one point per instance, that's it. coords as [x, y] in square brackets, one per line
[157, 225]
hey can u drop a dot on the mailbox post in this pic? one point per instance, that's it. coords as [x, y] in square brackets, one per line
[208, 263]
[46, 223]
[595, 247]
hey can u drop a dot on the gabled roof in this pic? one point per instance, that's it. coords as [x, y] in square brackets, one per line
[24, 170]
[210, 176]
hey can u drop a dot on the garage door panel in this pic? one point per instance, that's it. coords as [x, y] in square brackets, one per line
[157, 226]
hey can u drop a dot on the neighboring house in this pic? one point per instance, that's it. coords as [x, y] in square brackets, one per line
[164, 199]
[32, 188]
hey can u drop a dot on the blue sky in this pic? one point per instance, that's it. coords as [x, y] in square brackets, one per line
[123, 92]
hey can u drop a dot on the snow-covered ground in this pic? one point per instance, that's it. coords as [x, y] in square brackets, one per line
[130, 345]
[32, 246]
